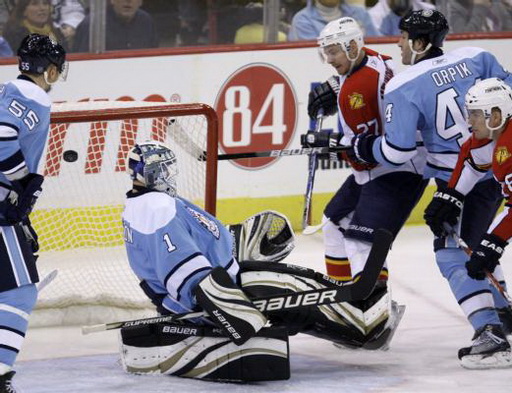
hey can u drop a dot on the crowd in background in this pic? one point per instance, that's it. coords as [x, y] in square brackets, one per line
[138, 24]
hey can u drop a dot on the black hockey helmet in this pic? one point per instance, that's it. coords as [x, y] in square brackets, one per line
[36, 52]
[430, 25]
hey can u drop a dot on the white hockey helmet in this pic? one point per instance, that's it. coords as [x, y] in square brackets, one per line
[488, 94]
[341, 32]
[154, 164]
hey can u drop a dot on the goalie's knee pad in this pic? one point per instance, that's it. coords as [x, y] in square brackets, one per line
[228, 306]
[199, 352]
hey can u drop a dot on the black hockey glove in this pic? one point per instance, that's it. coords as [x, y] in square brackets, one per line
[22, 198]
[485, 256]
[445, 206]
[325, 97]
[322, 138]
[361, 151]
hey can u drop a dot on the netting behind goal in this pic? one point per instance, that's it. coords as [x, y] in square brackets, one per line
[78, 216]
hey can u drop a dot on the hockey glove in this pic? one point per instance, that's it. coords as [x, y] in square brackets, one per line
[485, 256]
[445, 206]
[267, 236]
[22, 198]
[325, 97]
[361, 151]
[322, 138]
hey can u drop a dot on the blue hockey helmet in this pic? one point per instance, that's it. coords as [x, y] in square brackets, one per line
[36, 52]
[429, 25]
[154, 165]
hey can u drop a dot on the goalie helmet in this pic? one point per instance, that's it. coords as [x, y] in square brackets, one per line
[36, 52]
[430, 25]
[341, 32]
[154, 164]
[488, 94]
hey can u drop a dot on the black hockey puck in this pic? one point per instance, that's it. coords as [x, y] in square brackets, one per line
[70, 156]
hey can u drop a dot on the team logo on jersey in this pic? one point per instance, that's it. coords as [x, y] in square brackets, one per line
[502, 154]
[356, 101]
[205, 222]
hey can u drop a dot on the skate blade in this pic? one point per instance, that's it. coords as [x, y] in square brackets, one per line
[481, 362]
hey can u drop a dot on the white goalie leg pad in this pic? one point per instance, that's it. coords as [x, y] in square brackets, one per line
[367, 324]
[267, 236]
[204, 353]
[228, 306]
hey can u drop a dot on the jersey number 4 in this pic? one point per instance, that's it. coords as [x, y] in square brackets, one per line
[450, 121]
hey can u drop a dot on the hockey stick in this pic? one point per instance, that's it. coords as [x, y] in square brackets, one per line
[488, 274]
[311, 229]
[280, 153]
[181, 138]
[341, 292]
[312, 165]
[47, 280]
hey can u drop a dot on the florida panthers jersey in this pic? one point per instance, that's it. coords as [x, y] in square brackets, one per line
[477, 157]
[360, 106]
[24, 124]
[429, 97]
[172, 244]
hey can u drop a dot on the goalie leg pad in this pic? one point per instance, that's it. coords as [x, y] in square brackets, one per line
[228, 306]
[191, 351]
[367, 324]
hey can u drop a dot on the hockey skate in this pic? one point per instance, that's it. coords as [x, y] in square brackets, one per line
[6, 385]
[490, 349]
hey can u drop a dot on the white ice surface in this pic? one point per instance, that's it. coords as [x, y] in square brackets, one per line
[422, 358]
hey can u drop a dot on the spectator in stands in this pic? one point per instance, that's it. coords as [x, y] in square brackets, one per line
[386, 14]
[252, 29]
[31, 16]
[67, 15]
[5, 48]
[476, 15]
[193, 16]
[127, 27]
[308, 22]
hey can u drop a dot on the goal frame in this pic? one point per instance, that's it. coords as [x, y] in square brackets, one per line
[143, 112]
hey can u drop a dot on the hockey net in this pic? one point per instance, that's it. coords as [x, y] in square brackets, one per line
[78, 216]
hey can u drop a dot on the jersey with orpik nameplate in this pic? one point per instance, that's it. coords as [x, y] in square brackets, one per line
[429, 97]
[478, 157]
[360, 106]
[24, 125]
[172, 244]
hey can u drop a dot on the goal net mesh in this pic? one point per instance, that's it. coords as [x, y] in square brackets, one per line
[78, 216]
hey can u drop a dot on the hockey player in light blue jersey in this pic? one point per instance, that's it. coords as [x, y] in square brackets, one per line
[424, 105]
[24, 126]
[187, 261]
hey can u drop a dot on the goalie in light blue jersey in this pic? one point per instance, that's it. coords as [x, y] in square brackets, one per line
[187, 261]
[425, 105]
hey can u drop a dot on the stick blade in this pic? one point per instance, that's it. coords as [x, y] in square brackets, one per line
[376, 259]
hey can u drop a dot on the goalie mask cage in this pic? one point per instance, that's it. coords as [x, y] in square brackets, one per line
[78, 216]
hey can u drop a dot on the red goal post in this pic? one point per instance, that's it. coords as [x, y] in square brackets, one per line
[78, 216]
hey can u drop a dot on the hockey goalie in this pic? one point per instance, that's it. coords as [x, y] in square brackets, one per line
[187, 261]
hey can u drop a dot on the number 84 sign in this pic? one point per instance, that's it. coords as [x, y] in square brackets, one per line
[257, 111]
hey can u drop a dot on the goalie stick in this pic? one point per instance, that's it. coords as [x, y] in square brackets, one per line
[312, 165]
[340, 292]
[488, 274]
[47, 280]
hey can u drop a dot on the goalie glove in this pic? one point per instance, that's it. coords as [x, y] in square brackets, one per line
[325, 97]
[266, 236]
